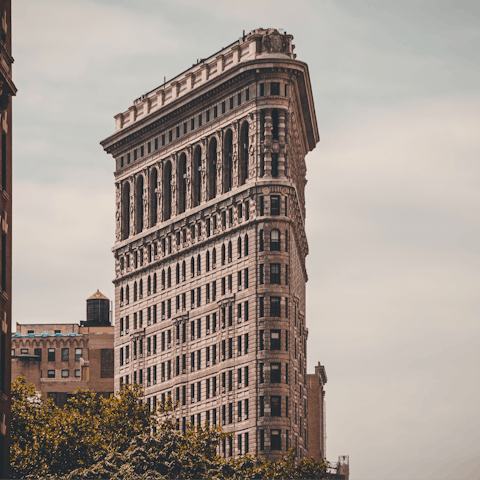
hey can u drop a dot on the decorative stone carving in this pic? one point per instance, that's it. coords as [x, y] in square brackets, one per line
[274, 42]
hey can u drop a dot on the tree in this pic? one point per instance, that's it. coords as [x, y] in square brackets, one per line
[119, 437]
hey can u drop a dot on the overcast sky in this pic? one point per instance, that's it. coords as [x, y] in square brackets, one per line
[393, 202]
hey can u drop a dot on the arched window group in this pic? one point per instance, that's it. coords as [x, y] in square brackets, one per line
[197, 178]
[212, 168]
[182, 183]
[153, 204]
[167, 190]
[227, 161]
[243, 165]
[125, 211]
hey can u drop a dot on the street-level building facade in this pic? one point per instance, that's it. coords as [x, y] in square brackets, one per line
[60, 358]
[210, 243]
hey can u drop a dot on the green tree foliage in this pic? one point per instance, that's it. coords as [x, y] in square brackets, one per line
[117, 438]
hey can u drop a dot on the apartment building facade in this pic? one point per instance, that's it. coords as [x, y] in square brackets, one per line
[210, 244]
[7, 90]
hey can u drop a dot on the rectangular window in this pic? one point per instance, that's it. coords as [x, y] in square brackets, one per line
[207, 116]
[65, 354]
[275, 205]
[128, 158]
[274, 339]
[215, 112]
[50, 373]
[247, 94]
[64, 373]
[274, 306]
[276, 406]
[246, 278]
[262, 206]
[245, 378]
[78, 354]
[275, 273]
[223, 107]
[275, 438]
[261, 306]
[231, 103]
[274, 89]
[185, 128]
[156, 144]
[261, 276]
[262, 339]
[286, 274]
[77, 373]
[192, 124]
[142, 151]
[275, 373]
[262, 373]
[121, 162]
[262, 439]
[261, 406]
[163, 140]
[262, 94]
[135, 154]
[51, 354]
[239, 98]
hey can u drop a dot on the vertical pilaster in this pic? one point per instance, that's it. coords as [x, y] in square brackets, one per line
[267, 159]
[189, 179]
[235, 154]
[281, 140]
[204, 170]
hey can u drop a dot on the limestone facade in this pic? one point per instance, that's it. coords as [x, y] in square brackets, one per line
[210, 243]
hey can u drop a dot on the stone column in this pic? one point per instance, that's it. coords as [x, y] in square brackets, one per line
[159, 191]
[174, 160]
[132, 206]
[189, 179]
[118, 211]
[267, 157]
[281, 140]
[253, 140]
[145, 199]
[235, 152]
[204, 170]
[219, 162]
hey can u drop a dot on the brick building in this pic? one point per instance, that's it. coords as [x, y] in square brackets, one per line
[7, 90]
[60, 358]
[210, 243]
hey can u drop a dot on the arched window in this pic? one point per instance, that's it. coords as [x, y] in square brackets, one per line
[184, 271]
[153, 197]
[178, 274]
[227, 161]
[246, 245]
[169, 277]
[197, 176]
[121, 294]
[214, 257]
[139, 204]
[275, 240]
[141, 288]
[154, 283]
[125, 210]
[192, 267]
[149, 285]
[223, 254]
[127, 294]
[182, 183]
[212, 168]
[239, 247]
[207, 261]
[167, 190]
[243, 167]
[229, 251]
[135, 293]
[163, 279]
[261, 241]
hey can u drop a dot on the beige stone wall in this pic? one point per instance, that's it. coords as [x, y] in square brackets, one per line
[141, 232]
[36, 370]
